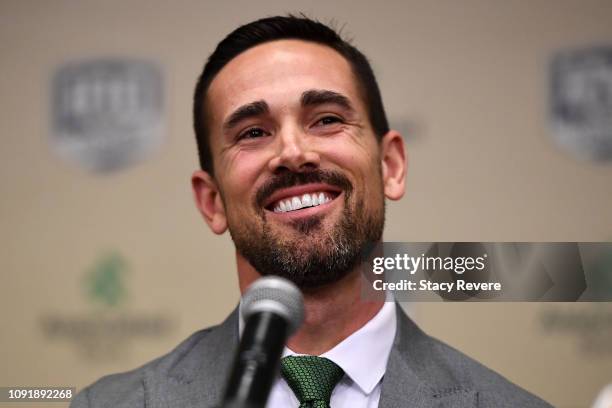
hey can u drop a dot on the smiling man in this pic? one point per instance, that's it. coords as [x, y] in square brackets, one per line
[297, 160]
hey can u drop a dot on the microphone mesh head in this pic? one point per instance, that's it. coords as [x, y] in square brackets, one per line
[276, 295]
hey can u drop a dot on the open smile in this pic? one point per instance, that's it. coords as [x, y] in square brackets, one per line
[305, 199]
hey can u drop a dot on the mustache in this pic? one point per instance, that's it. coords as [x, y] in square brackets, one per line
[291, 179]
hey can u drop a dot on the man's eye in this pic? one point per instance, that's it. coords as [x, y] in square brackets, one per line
[328, 120]
[252, 133]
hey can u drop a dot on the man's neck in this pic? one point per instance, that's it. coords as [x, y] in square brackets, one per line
[332, 312]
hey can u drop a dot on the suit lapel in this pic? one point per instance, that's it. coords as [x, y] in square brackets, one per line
[197, 378]
[413, 379]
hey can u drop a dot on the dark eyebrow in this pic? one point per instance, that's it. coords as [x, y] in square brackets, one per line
[246, 111]
[322, 96]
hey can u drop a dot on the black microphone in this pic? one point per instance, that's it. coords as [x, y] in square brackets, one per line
[273, 309]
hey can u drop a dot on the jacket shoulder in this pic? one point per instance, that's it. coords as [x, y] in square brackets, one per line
[127, 389]
[493, 389]
[446, 372]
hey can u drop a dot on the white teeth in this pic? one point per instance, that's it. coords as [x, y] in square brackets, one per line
[297, 202]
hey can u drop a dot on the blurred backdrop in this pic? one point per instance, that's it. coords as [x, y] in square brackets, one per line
[106, 264]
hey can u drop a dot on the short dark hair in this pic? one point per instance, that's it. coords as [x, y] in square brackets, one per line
[279, 28]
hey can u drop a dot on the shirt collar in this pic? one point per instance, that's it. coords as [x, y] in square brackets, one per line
[363, 355]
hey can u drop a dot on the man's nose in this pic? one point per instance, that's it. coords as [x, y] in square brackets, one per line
[294, 152]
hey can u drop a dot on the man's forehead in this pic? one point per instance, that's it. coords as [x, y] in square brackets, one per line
[279, 71]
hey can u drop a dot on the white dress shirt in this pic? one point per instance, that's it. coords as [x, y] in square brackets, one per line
[363, 357]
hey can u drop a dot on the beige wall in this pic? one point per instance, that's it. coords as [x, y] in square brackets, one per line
[467, 79]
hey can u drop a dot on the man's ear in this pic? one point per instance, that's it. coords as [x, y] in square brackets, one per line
[394, 165]
[208, 200]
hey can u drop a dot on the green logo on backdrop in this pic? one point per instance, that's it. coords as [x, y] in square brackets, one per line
[105, 333]
[104, 281]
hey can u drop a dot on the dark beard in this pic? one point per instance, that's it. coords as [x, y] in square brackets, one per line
[317, 262]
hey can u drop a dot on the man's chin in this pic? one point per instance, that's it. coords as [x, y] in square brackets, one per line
[312, 278]
[311, 261]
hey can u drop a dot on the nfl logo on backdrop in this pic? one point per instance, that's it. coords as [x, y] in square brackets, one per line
[107, 113]
[581, 102]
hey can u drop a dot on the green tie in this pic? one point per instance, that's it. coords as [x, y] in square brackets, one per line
[311, 378]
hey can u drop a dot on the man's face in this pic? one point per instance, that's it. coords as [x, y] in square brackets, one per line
[297, 165]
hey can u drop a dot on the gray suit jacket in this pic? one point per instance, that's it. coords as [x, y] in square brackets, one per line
[421, 373]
